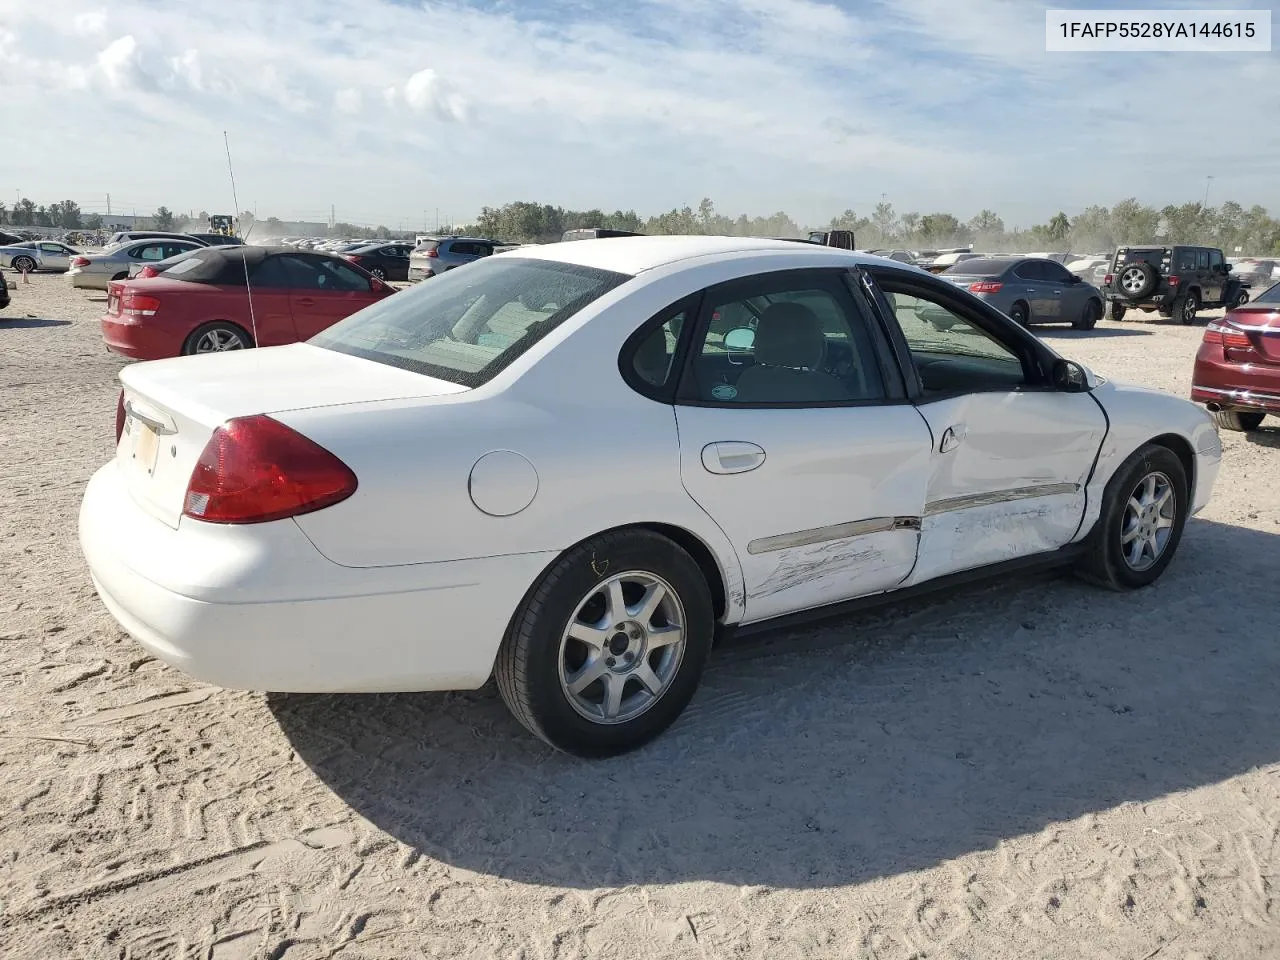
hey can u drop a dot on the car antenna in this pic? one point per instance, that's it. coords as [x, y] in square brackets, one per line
[244, 259]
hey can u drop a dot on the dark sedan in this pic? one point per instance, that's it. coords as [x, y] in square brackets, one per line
[1029, 290]
[386, 261]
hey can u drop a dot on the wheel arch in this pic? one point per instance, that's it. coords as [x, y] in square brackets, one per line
[1181, 448]
[198, 328]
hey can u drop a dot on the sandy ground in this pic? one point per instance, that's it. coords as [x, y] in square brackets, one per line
[1028, 769]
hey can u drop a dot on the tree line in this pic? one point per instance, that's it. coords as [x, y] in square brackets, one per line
[1095, 229]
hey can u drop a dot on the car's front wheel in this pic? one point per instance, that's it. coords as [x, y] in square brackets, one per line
[607, 648]
[379, 273]
[1143, 512]
[1186, 308]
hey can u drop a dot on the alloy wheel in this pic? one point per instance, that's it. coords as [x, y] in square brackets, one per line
[1148, 521]
[218, 341]
[622, 648]
[1132, 280]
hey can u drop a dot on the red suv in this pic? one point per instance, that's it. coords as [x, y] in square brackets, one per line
[1237, 374]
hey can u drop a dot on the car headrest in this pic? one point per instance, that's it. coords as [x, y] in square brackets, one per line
[789, 335]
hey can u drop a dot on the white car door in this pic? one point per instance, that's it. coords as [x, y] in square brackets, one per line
[1010, 454]
[54, 256]
[796, 438]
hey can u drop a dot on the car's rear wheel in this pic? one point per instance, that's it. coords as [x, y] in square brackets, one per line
[24, 264]
[1019, 314]
[607, 648]
[1144, 510]
[216, 338]
[1186, 308]
[1117, 310]
[121, 276]
[1240, 421]
[1090, 316]
[379, 273]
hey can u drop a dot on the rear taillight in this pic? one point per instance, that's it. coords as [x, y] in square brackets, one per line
[1108, 278]
[433, 252]
[134, 304]
[1224, 334]
[79, 261]
[352, 257]
[255, 469]
[120, 416]
[986, 286]
[1173, 281]
[148, 271]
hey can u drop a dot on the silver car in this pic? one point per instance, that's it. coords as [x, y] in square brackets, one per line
[36, 255]
[96, 271]
[1028, 290]
[435, 255]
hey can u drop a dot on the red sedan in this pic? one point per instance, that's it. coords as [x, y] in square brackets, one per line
[1237, 373]
[231, 298]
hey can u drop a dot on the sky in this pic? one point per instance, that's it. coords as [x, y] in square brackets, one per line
[387, 112]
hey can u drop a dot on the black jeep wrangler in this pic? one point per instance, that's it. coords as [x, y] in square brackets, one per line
[1176, 281]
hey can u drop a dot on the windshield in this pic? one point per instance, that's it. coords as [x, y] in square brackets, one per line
[1270, 295]
[468, 324]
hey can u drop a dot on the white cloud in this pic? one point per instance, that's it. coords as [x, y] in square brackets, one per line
[187, 67]
[119, 62]
[426, 92]
[348, 100]
[90, 23]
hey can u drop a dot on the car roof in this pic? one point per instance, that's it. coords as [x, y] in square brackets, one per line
[634, 255]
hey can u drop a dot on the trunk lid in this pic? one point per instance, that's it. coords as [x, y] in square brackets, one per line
[1261, 324]
[173, 406]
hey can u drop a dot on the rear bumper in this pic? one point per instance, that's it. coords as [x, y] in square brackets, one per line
[1237, 386]
[419, 272]
[259, 608]
[140, 341]
[88, 281]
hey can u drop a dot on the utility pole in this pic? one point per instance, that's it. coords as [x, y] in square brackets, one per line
[108, 204]
[437, 219]
[1207, 181]
[332, 216]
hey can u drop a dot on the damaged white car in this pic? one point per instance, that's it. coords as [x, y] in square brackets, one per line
[573, 466]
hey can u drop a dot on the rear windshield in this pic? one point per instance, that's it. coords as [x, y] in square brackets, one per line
[979, 267]
[1152, 255]
[467, 325]
[426, 245]
[1270, 295]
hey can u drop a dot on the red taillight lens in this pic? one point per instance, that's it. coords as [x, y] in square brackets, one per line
[120, 416]
[433, 252]
[148, 271]
[79, 261]
[1108, 278]
[1221, 332]
[134, 304]
[1173, 281]
[986, 286]
[255, 469]
[352, 257]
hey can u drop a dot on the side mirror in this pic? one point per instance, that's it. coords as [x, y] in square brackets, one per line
[1072, 377]
[740, 340]
[1226, 267]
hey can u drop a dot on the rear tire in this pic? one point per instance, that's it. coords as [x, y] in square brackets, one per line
[218, 337]
[1238, 421]
[1144, 510]
[379, 273]
[24, 264]
[1117, 311]
[1089, 318]
[1019, 314]
[585, 666]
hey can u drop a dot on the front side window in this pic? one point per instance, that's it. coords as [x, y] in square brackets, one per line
[952, 354]
[465, 326]
[785, 343]
[1215, 258]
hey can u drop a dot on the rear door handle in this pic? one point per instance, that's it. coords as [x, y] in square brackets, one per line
[951, 438]
[732, 456]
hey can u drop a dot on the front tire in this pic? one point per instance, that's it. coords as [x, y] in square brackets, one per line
[1186, 308]
[1090, 317]
[1144, 511]
[607, 648]
[379, 273]
[1239, 421]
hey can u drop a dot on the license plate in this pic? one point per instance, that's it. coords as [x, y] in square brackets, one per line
[146, 446]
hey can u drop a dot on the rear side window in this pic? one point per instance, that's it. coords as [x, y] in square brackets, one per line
[652, 360]
[465, 326]
[149, 251]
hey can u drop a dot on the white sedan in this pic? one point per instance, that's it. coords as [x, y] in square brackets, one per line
[575, 465]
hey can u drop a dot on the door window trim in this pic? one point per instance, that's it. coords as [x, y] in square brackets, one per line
[833, 280]
[1037, 359]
